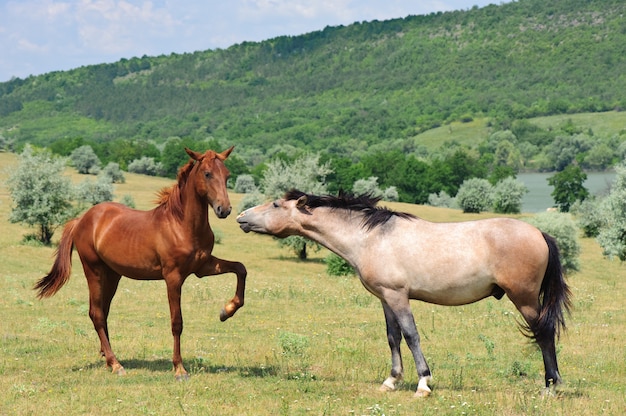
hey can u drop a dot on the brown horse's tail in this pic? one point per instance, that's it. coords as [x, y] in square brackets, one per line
[554, 298]
[60, 272]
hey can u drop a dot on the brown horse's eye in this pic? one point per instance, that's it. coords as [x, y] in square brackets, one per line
[207, 175]
[275, 204]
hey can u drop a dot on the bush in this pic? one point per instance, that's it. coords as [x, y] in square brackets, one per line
[589, 216]
[367, 186]
[562, 227]
[113, 172]
[92, 193]
[337, 266]
[612, 234]
[128, 200]
[441, 200]
[245, 184]
[391, 194]
[250, 200]
[508, 195]
[85, 160]
[475, 195]
[146, 166]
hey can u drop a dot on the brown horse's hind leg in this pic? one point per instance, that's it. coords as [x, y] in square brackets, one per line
[102, 288]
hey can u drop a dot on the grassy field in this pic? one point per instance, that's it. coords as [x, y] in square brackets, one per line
[473, 133]
[305, 342]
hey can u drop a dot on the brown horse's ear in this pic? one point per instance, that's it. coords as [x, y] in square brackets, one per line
[301, 203]
[222, 156]
[194, 155]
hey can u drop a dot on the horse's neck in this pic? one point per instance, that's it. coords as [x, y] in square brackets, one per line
[341, 233]
[195, 213]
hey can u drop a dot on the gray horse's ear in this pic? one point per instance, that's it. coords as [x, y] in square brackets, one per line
[301, 202]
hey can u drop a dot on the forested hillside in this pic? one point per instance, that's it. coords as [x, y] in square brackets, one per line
[352, 91]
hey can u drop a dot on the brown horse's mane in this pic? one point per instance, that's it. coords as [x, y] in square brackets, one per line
[373, 216]
[170, 198]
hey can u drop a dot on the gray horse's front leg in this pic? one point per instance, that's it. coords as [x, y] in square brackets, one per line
[400, 319]
[394, 337]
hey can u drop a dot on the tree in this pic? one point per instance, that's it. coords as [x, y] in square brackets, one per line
[612, 234]
[568, 187]
[599, 157]
[85, 160]
[305, 174]
[41, 194]
[475, 195]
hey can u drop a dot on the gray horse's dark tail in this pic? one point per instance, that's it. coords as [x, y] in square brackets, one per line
[554, 298]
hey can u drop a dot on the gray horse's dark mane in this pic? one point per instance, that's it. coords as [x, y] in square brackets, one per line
[373, 216]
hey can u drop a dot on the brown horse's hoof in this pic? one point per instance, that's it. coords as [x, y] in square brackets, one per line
[182, 377]
[224, 315]
[118, 369]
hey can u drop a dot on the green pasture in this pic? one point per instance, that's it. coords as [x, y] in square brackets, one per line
[474, 132]
[304, 343]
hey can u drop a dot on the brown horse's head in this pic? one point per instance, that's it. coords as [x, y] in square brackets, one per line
[210, 179]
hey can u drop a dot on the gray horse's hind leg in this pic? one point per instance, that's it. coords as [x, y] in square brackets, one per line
[548, 350]
[399, 316]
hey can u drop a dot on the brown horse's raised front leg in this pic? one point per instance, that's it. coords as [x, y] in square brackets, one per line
[173, 295]
[219, 266]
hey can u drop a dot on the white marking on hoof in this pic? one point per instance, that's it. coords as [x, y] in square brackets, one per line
[548, 392]
[389, 384]
[422, 387]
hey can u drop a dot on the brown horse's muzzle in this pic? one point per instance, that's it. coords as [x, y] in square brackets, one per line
[222, 211]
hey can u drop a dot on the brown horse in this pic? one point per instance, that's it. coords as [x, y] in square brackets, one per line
[400, 257]
[169, 242]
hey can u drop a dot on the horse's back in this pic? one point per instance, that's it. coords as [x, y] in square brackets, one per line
[462, 262]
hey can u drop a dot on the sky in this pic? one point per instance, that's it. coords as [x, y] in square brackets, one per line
[40, 36]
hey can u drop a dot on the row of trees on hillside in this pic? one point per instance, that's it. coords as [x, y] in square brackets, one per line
[413, 171]
[44, 198]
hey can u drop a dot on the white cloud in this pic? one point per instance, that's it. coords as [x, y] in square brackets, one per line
[38, 36]
[121, 27]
